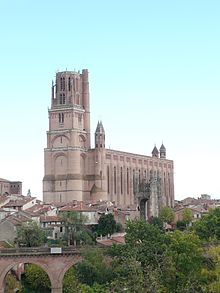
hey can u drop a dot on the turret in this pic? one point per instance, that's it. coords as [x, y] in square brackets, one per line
[100, 136]
[162, 152]
[155, 152]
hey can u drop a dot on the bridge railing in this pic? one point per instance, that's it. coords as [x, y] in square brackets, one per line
[38, 250]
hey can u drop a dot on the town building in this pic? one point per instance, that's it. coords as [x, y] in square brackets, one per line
[10, 187]
[74, 170]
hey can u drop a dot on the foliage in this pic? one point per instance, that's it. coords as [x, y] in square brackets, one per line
[30, 235]
[181, 225]
[76, 231]
[94, 268]
[36, 278]
[106, 224]
[128, 275]
[147, 242]
[166, 215]
[70, 281]
[185, 258]
[156, 221]
[119, 228]
[187, 216]
[209, 226]
[213, 275]
[11, 283]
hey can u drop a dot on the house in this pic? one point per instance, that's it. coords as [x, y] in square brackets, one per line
[53, 226]
[10, 224]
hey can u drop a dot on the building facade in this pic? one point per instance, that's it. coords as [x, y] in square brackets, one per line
[76, 171]
[10, 187]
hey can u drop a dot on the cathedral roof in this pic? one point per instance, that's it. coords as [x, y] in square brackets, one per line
[100, 128]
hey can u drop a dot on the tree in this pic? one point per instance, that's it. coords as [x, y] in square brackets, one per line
[209, 226]
[213, 274]
[166, 215]
[11, 283]
[187, 216]
[156, 221]
[106, 224]
[185, 261]
[76, 231]
[181, 225]
[70, 281]
[30, 235]
[94, 268]
[36, 278]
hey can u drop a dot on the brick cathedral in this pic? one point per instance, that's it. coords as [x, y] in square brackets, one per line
[73, 170]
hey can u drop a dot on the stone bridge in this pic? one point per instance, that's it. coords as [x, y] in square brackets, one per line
[55, 262]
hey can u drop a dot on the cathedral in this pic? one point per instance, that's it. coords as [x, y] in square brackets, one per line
[74, 170]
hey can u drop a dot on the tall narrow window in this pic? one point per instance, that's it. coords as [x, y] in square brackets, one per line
[62, 118]
[108, 179]
[64, 99]
[59, 117]
[63, 83]
[69, 84]
[139, 176]
[121, 180]
[61, 99]
[133, 181]
[115, 180]
[127, 181]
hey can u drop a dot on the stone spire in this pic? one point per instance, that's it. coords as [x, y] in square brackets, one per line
[162, 152]
[100, 136]
[155, 152]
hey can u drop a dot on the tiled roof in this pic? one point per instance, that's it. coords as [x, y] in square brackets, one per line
[50, 219]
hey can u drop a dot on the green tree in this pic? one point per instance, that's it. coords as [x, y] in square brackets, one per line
[156, 221]
[181, 225]
[30, 235]
[185, 263]
[128, 276]
[213, 274]
[76, 232]
[36, 279]
[94, 268]
[209, 226]
[187, 216]
[106, 224]
[70, 282]
[11, 283]
[166, 215]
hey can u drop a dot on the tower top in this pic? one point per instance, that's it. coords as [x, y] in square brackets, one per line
[100, 128]
[155, 152]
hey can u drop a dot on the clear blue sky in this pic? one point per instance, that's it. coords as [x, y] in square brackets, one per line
[154, 75]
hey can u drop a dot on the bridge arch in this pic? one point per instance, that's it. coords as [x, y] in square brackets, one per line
[54, 265]
[5, 270]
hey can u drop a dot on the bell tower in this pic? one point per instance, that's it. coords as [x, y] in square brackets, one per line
[68, 137]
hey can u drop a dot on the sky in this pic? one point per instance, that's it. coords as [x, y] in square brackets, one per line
[154, 70]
